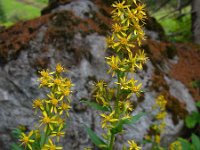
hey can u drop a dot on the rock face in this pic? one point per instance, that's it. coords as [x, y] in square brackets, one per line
[74, 35]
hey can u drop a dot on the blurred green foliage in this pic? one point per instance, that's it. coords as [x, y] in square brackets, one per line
[193, 145]
[194, 118]
[12, 11]
[177, 25]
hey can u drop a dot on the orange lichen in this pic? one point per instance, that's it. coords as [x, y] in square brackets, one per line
[187, 68]
[17, 37]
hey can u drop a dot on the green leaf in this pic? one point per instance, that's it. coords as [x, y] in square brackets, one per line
[42, 139]
[132, 120]
[185, 144]
[198, 104]
[95, 105]
[14, 146]
[196, 142]
[95, 139]
[192, 119]
[135, 118]
[16, 133]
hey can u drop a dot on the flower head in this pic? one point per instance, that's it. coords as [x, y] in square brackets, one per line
[26, 140]
[108, 119]
[133, 145]
[51, 146]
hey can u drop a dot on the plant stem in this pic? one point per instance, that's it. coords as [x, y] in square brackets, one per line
[117, 99]
[112, 139]
[45, 136]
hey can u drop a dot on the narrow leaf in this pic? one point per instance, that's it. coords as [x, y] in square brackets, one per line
[132, 120]
[42, 139]
[95, 139]
[95, 105]
[135, 118]
[14, 146]
[16, 133]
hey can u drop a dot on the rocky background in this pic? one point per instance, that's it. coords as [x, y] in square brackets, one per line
[73, 33]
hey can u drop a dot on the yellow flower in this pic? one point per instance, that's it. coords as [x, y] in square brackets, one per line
[60, 122]
[120, 5]
[157, 139]
[161, 115]
[26, 140]
[119, 8]
[59, 68]
[114, 62]
[100, 99]
[51, 146]
[45, 73]
[141, 57]
[47, 121]
[161, 102]
[133, 145]
[57, 82]
[136, 88]
[58, 133]
[100, 85]
[110, 41]
[126, 105]
[140, 9]
[66, 91]
[119, 29]
[54, 102]
[108, 119]
[124, 84]
[43, 82]
[124, 43]
[38, 104]
[68, 84]
[175, 146]
[64, 107]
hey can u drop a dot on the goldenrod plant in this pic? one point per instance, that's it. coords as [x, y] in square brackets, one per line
[115, 101]
[52, 111]
[157, 128]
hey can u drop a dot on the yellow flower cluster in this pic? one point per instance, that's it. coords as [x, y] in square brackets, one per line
[52, 110]
[127, 34]
[158, 127]
[133, 145]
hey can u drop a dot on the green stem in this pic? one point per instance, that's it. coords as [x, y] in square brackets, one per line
[45, 137]
[118, 95]
[112, 139]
